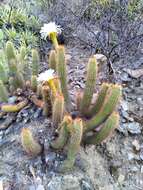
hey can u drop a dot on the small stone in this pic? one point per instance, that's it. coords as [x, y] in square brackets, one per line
[136, 145]
[12, 99]
[121, 179]
[134, 128]
[124, 105]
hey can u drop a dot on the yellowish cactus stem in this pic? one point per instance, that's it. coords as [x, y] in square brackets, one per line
[30, 145]
[53, 60]
[14, 107]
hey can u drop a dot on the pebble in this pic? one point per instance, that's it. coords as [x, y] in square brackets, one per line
[136, 145]
[134, 128]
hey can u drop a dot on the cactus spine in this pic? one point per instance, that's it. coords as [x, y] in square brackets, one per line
[74, 144]
[63, 133]
[35, 62]
[30, 145]
[34, 83]
[111, 100]
[3, 92]
[58, 110]
[89, 86]
[110, 124]
[100, 99]
[53, 60]
[62, 73]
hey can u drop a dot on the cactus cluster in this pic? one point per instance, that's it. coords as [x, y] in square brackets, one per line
[52, 95]
[17, 75]
[101, 114]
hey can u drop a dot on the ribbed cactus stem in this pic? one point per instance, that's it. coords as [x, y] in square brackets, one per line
[3, 92]
[53, 60]
[20, 80]
[53, 38]
[30, 145]
[39, 90]
[10, 51]
[58, 110]
[23, 54]
[52, 88]
[34, 83]
[74, 144]
[14, 107]
[107, 129]
[57, 85]
[3, 74]
[35, 62]
[62, 73]
[47, 100]
[111, 100]
[99, 101]
[63, 133]
[89, 85]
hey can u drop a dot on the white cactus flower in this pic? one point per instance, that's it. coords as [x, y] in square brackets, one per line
[46, 75]
[49, 28]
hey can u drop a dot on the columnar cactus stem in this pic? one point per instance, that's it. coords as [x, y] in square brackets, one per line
[35, 62]
[3, 74]
[111, 100]
[63, 133]
[47, 100]
[57, 85]
[34, 83]
[100, 99]
[30, 145]
[53, 38]
[58, 110]
[53, 60]
[53, 88]
[74, 144]
[14, 107]
[10, 51]
[62, 73]
[3, 92]
[108, 127]
[89, 86]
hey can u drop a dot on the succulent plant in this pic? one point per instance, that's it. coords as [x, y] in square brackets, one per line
[62, 73]
[58, 110]
[35, 62]
[3, 92]
[53, 60]
[30, 145]
[89, 86]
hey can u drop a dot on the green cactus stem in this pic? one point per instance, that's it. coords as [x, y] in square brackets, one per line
[58, 110]
[99, 101]
[23, 54]
[63, 133]
[47, 100]
[30, 145]
[3, 92]
[53, 60]
[89, 86]
[107, 129]
[3, 74]
[10, 51]
[62, 73]
[111, 100]
[34, 83]
[79, 96]
[74, 144]
[35, 62]
[14, 107]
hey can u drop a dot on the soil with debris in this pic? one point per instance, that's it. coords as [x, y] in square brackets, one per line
[116, 164]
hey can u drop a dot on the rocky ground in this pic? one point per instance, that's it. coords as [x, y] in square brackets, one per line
[117, 164]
